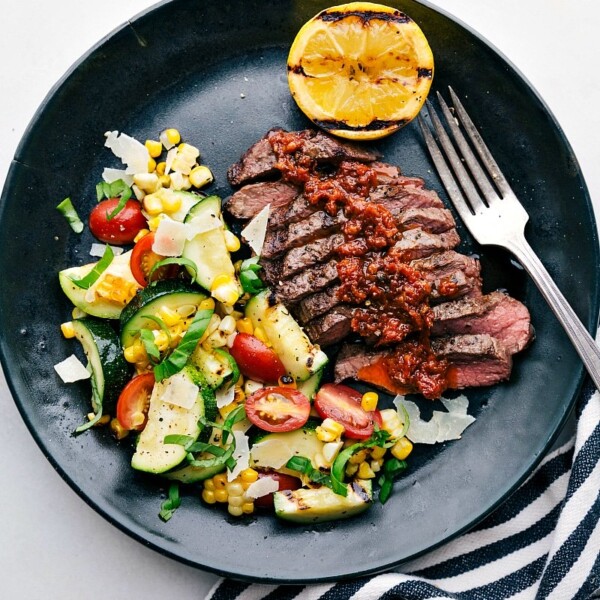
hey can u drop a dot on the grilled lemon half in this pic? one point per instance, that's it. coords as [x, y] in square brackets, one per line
[360, 70]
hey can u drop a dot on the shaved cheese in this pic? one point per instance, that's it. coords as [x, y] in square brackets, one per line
[241, 455]
[171, 154]
[254, 233]
[442, 427]
[225, 397]
[201, 225]
[98, 250]
[165, 140]
[262, 487]
[132, 153]
[169, 238]
[271, 453]
[180, 391]
[71, 369]
[110, 175]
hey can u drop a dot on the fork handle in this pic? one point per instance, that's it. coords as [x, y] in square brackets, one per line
[584, 343]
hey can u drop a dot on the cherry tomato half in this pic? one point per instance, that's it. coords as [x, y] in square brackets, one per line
[286, 482]
[342, 404]
[133, 403]
[277, 409]
[256, 360]
[143, 258]
[123, 227]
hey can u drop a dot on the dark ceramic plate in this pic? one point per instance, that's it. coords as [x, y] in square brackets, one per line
[216, 71]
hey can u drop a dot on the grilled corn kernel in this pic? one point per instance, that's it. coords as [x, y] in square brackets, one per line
[208, 496]
[225, 410]
[201, 176]
[139, 194]
[154, 148]
[147, 182]
[378, 452]
[351, 469]
[227, 325]
[161, 339]
[221, 495]
[221, 280]
[171, 202]
[153, 204]
[118, 430]
[207, 304]
[235, 511]
[160, 168]
[151, 165]
[331, 450]
[227, 293]
[154, 223]
[244, 326]
[209, 484]
[358, 457]
[165, 180]
[369, 401]
[391, 422]
[135, 353]
[68, 330]
[375, 466]
[232, 242]
[220, 481]
[140, 234]
[365, 471]
[249, 475]
[234, 488]
[402, 448]
[235, 501]
[259, 333]
[172, 135]
[329, 430]
[169, 316]
[248, 508]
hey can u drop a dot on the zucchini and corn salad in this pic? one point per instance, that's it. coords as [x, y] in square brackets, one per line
[190, 357]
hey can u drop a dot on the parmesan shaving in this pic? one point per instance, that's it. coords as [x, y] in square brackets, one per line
[98, 250]
[271, 453]
[255, 232]
[110, 175]
[201, 225]
[71, 369]
[241, 455]
[262, 487]
[170, 238]
[180, 391]
[225, 397]
[132, 153]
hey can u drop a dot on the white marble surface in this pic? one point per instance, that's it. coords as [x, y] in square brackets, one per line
[53, 546]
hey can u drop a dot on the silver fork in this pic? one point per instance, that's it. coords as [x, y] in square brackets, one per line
[494, 215]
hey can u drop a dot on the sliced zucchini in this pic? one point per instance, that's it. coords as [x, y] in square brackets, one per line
[317, 505]
[86, 300]
[213, 365]
[208, 250]
[148, 301]
[110, 371]
[152, 455]
[299, 355]
[310, 387]
[191, 474]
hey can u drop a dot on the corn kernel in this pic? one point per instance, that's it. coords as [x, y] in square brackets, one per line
[209, 484]
[227, 325]
[225, 410]
[220, 481]
[147, 182]
[118, 430]
[365, 471]
[153, 205]
[161, 339]
[329, 430]
[331, 450]
[228, 294]
[234, 489]
[221, 495]
[160, 168]
[248, 508]
[172, 135]
[201, 176]
[369, 401]
[402, 448]
[208, 496]
[165, 180]
[358, 457]
[135, 353]
[259, 333]
[232, 242]
[154, 223]
[68, 330]
[391, 422]
[235, 501]
[244, 326]
[169, 316]
[154, 148]
[220, 280]
[140, 234]
[151, 165]
[375, 466]
[351, 469]
[378, 452]
[235, 511]
[139, 194]
[249, 475]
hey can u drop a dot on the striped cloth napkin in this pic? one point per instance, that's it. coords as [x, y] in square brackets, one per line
[542, 543]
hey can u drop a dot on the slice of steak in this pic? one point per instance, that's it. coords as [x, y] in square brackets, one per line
[297, 210]
[291, 291]
[271, 271]
[298, 259]
[330, 328]
[496, 314]
[476, 360]
[417, 243]
[351, 359]
[258, 162]
[434, 220]
[453, 286]
[248, 201]
[411, 195]
[317, 304]
[386, 173]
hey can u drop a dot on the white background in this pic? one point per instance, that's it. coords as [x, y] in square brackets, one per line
[52, 545]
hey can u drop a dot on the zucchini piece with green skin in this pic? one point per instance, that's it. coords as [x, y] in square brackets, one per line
[85, 299]
[316, 505]
[191, 474]
[301, 358]
[110, 371]
[148, 301]
[208, 249]
[152, 455]
[310, 387]
[214, 368]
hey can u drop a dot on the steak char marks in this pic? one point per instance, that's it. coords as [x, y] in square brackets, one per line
[476, 334]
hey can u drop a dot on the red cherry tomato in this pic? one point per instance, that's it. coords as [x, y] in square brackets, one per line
[342, 404]
[143, 258]
[256, 360]
[277, 409]
[132, 405]
[286, 482]
[123, 227]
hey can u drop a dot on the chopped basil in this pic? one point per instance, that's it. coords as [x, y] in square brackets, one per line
[147, 338]
[304, 465]
[116, 189]
[88, 281]
[67, 210]
[391, 469]
[171, 504]
[251, 282]
[96, 405]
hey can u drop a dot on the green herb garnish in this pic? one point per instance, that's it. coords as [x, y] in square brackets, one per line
[96, 405]
[88, 280]
[304, 465]
[67, 210]
[171, 504]
[391, 469]
[251, 282]
[116, 189]
[147, 338]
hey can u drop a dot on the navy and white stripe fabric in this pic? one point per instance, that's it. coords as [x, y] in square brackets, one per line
[543, 543]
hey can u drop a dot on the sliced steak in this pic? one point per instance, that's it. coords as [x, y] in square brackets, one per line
[317, 304]
[258, 162]
[298, 259]
[352, 358]
[297, 210]
[434, 220]
[385, 173]
[318, 278]
[453, 286]
[496, 314]
[417, 243]
[248, 201]
[330, 328]
[411, 195]
[476, 360]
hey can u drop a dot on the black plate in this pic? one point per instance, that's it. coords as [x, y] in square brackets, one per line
[216, 71]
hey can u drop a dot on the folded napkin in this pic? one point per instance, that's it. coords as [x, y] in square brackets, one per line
[542, 543]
